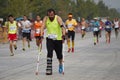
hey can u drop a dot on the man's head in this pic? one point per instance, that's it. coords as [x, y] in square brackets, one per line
[11, 18]
[83, 19]
[116, 19]
[70, 16]
[51, 13]
[24, 17]
[38, 18]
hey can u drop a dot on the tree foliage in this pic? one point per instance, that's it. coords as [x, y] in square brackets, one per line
[19, 7]
[80, 8]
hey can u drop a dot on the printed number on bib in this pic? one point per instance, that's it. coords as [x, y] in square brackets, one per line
[116, 26]
[107, 26]
[37, 31]
[69, 25]
[52, 36]
[83, 27]
[12, 28]
[95, 29]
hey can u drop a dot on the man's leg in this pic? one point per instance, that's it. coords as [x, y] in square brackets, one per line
[58, 49]
[73, 37]
[14, 44]
[24, 40]
[28, 39]
[11, 49]
[68, 41]
[50, 47]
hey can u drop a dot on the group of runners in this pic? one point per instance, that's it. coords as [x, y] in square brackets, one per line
[98, 25]
[56, 33]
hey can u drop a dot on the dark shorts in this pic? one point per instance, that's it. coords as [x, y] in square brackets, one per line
[96, 33]
[83, 29]
[38, 37]
[108, 29]
[116, 29]
[54, 45]
[71, 34]
[26, 35]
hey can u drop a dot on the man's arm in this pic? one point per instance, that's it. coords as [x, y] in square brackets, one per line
[75, 23]
[17, 24]
[43, 25]
[6, 25]
[61, 24]
[119, 25]
[86, 24]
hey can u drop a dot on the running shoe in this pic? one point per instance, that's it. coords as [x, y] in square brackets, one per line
[60, 68]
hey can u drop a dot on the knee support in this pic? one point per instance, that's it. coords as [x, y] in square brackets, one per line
[49, 66]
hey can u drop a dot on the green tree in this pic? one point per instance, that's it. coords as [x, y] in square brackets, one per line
[43, 5]
[19, 7]
[83, 8]
[62, 10]
[103, 9]
[2, 7]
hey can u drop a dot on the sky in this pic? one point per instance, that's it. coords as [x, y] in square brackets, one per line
[111, 3]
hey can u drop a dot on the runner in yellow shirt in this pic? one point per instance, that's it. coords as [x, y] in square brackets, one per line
[12, 33]
[71, 24]
[54, 41]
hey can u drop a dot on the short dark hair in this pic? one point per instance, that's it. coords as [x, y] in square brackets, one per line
[25, 15]
[10, 15]
[70, 14]
[50, 10]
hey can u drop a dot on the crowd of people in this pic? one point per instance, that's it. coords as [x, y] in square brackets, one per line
[97, 25]
[57, 32]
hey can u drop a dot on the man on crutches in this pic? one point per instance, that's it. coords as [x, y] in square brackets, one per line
[55, 32]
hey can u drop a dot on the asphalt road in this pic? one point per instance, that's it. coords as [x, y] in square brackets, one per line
[88, 62]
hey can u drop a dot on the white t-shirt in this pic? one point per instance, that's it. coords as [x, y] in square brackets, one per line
[26, 25]
[116, 24]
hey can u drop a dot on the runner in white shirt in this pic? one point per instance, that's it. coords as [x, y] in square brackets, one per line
[116, 26]
[26, 31]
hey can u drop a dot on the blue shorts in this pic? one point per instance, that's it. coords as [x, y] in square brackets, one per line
[108, 29]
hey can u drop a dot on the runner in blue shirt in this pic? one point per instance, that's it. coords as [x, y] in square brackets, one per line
[96, 26]
[108, 29]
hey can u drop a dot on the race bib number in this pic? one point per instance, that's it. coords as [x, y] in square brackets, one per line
[83, 27]
[37, 31]
[116, 26]
[12, 28]
[107, 26]
[26, 31]
[69, 25]
[52, 36]
[95, 29]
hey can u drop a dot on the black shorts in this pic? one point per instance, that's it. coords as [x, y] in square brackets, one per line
[83, 29]
[26, 35]
[38, 37]
[71, 34]
[96, 33]
[116, 29]
[54, 45]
